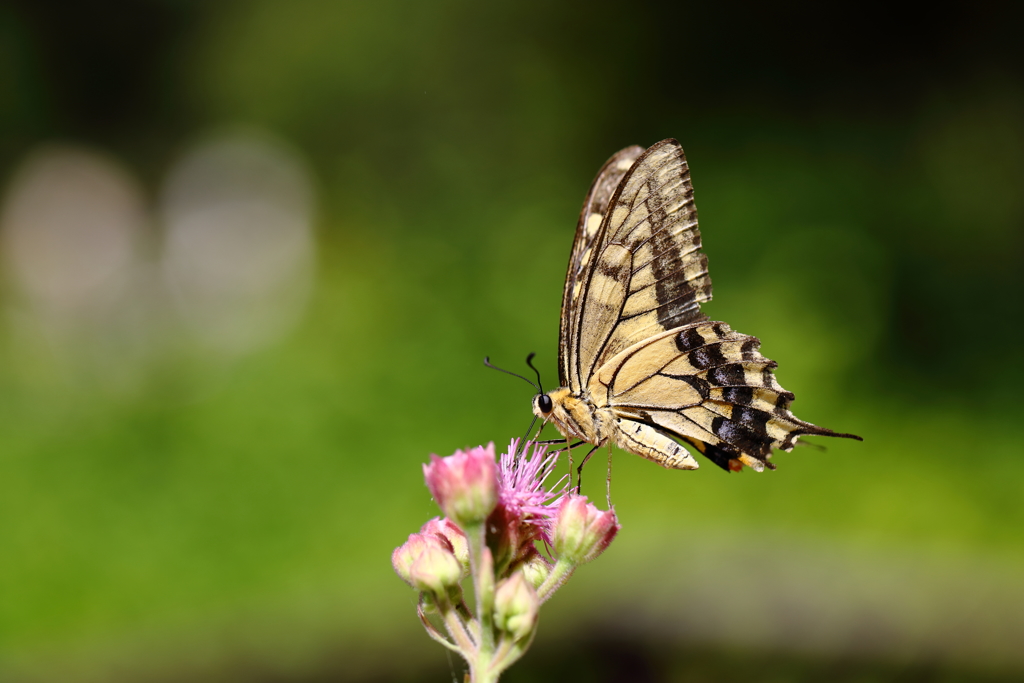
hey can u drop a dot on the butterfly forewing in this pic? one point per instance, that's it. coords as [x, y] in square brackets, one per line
[591, 216]
[644, 272]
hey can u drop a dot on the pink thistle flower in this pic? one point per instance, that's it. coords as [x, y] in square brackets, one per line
[521, 492]
[465, 485]
[525, 510]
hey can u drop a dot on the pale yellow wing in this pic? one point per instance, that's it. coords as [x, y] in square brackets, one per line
[591, 216]
[642, 273]
[704, 384]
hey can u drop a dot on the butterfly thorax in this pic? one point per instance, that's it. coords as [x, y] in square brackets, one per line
[575, 415]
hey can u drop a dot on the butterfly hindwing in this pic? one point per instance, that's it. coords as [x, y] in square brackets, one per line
[709, 386]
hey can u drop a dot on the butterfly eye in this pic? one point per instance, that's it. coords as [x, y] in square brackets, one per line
[544, 403]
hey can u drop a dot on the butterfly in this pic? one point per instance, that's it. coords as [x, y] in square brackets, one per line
[640, 365]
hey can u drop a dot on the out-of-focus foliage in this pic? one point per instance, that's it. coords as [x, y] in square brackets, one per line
[217, 385]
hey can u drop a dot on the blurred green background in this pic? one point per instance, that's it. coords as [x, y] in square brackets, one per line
[253, 253]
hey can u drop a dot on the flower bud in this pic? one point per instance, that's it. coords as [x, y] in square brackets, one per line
[406, 554]
[435, 570]
[465, 485]
[515, 606]
[582, 532]
[447, 529]
[536, 570]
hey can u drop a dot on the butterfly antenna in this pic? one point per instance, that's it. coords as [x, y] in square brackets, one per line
[529, 361]
[487, 362]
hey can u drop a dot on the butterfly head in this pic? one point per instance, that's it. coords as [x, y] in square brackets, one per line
[543, 406]
[572, 415]
[551, 407]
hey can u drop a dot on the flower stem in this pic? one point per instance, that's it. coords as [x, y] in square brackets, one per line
[457, 630]
[509, 652]
[482, 568]
[559, 574]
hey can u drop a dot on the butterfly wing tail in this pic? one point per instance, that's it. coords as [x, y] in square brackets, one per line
[749, 412]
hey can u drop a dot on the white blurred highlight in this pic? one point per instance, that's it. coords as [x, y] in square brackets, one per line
[238, 254]
[104, 290]
[71, 224]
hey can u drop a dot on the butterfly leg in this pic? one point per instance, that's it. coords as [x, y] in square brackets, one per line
[608, 483]
[547, 442]
[579, 470]
[565, 449]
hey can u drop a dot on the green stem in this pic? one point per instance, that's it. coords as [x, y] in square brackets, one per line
[560, 573]
[509, 652]
[432, 632]
[457, 630]
[485, 600]
[463, 611]
[482, 567]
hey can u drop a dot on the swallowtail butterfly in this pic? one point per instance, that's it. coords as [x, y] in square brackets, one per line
[639, 365]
